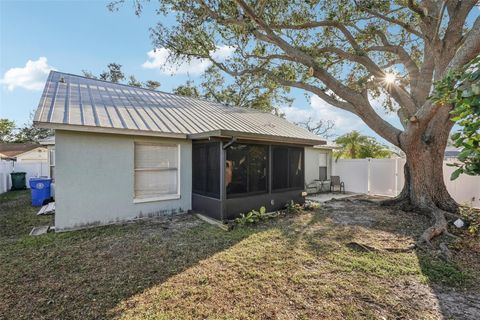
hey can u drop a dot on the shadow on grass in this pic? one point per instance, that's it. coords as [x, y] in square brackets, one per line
[85, 274]
[453, 282]
[293, 267]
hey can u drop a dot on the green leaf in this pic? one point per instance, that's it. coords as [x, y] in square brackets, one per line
[455, 174]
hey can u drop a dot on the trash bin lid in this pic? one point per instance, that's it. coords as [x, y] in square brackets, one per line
[40, 179]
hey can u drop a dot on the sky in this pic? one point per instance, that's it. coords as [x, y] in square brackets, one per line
[71, 36]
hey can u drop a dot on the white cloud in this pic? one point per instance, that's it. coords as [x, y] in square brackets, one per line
[158, 59]
[344, 121]
[30, 77]
[223, 52]
[320, 110]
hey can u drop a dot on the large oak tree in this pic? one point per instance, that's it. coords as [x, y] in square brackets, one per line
[348, 53]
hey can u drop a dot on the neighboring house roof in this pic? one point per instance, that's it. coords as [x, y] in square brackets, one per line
[47, 141]
[452, 152]
[12, 150]
[328, 146]
[71, 102]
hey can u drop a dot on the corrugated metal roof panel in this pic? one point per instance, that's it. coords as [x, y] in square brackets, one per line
[83, 104]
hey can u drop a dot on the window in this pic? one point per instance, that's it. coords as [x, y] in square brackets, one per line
[322, 169]
[51, 162]
[156, 171]
[322, 173]
[206, 169]
[246, 169]
[287, 168]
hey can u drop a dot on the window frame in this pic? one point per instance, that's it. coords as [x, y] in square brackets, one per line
[154, 198]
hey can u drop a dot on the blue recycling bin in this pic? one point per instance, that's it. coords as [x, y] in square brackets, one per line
[40, 188]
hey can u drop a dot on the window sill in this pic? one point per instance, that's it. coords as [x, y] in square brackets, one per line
[159, 198]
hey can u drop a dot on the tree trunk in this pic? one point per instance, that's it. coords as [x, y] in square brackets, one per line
[424, 190]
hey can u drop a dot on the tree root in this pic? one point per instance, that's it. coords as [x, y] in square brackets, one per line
[355, 246]
[438, 228]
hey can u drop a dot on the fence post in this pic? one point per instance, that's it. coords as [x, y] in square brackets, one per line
[395, 191]
[368, 176]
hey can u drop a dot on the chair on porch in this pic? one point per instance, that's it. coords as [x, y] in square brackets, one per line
[335, 182]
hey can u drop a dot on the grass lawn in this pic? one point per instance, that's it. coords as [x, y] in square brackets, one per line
[296, 267]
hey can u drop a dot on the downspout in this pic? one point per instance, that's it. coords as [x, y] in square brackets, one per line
[229, 143]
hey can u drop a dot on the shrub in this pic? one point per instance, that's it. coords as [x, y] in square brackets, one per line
[310, 206]
[252, 216]
[472, 218]
[293, 208]
[244, 219]
[262, 214]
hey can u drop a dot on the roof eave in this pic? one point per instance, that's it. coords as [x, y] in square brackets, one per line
[256, 137]
[91, 129]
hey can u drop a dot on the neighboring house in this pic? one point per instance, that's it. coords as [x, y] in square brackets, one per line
[451, 153]
[124, 152]
[23, 152]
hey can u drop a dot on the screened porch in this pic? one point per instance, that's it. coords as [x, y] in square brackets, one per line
[230, 178]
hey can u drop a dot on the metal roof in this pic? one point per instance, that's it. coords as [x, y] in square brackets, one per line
[71, 102]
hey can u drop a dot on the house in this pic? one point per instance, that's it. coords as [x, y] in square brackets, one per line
[451, 153]
[23, 152]
[49, 143]
[124, 152]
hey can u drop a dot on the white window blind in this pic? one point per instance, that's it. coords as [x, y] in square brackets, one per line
[156, 170]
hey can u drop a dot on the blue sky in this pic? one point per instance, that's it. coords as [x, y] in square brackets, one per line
[70, 36]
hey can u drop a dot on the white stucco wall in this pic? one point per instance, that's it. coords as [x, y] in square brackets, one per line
[94, 181]
[312, 162]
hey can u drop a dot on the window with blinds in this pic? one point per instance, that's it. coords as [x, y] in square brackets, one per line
[156, 171]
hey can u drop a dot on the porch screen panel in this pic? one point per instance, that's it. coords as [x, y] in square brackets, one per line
[287, 168]
[296, 168]
[199, 168]
[206, 169]
[237, 169]
[257, 169]
[156, 170]
[279, 168]
[246, 169]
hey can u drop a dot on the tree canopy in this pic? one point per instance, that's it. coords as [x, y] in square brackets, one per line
[462, 88]
[322, 128]
[9, 133]
[115, 74]
[7, 128]
[357, 146]
[246, 91]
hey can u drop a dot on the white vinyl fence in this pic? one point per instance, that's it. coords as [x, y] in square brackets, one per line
[385, 177]
[33, 169]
